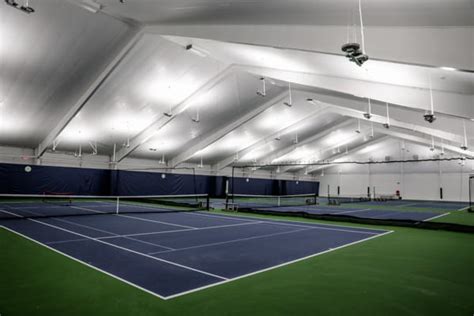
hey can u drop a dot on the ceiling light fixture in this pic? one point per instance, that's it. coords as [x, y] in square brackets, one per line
[196, 118]
[201, 165]
[368, 114]
[23, 8]
[162, 161]
[290, 102]
[353, 51]
[196, 50]
[429, 116]
[358, 127]
[448, 68]
[263, 92]
[387, 124]
[464, 145]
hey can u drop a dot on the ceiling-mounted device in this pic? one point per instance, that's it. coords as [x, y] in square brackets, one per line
[368, 114]
[23, 8]
[289, 103]
[429, 116]
[263, 92]
[354, 53]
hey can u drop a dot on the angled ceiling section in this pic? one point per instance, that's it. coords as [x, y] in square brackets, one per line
[230, 99]
[277, 122]
[300, 12]
[154, 77]
[47, 59]
[400, 84]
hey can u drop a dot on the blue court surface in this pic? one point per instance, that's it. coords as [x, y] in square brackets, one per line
[171, 254]
[360, 212]
[387, 210]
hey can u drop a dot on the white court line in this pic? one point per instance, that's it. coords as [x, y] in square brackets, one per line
[84, 263]
[435, 217]
[64, 241]
[101, 230]
[275, 267]
[287, 222]
[226, 280]
[462, 209]
[111, 233]
[10, 213]
[347, 212]
[232, 241]
[132, 251]
[137, 218]
[155, 221]
[46, 205]
[207, 286]
[411, 204]
[186, 230]
[156, 233]
[327, 228]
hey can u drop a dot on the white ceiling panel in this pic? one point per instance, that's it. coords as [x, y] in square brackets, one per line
[46, 60]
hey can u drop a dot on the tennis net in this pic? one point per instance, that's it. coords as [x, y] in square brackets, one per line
[38, 206]
[248, 201]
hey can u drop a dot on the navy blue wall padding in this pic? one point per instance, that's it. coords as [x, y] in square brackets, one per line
[49, 180]
[83, 181]
[303, 187]
[254, 186]
[217, 186]
[149, 183]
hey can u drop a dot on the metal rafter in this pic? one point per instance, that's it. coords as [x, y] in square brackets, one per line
[269, 138]
[90, 92]
[161, 122]
[207, 140]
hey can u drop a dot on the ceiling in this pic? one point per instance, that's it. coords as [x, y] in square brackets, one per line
[98, 84]
[296, 12]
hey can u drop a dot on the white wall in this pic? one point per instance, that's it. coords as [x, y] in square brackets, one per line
[413, 186]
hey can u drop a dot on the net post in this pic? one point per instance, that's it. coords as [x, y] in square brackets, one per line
[233, 184]
[471, 194]
[279, 200]
[208, 203]
[117, 205]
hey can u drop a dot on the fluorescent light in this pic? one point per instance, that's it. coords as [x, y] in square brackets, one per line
[448, 68]
[196, 50]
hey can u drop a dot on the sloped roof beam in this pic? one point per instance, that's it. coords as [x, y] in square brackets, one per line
[161, 122]
[241, 153]
[342, 110]
[351, 151]
[448, 103]
[88, 94]
[297, 167]
[282, 152]
[207, 140]
[422, 141]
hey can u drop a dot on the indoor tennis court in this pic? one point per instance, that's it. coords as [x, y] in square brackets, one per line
[236, 157]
